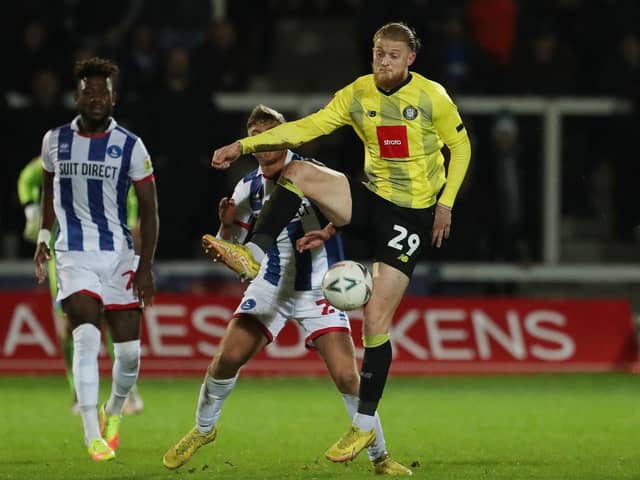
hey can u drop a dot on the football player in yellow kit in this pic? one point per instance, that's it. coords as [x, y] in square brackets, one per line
[403, 120]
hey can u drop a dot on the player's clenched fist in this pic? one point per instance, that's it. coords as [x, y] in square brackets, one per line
[224, 156]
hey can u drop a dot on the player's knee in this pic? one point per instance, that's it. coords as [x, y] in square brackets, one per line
[226, 363]
[86, 338]
[347, 381]
[297, 171]
[128, 354]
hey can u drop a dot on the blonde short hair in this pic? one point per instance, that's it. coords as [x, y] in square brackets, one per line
[400, 32]
[262, 113]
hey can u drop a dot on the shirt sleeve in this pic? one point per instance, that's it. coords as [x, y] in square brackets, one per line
[454, 135]
[141, 167]
[298, 132]
[47, 154]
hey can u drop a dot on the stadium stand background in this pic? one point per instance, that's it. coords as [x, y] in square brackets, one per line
[175, 60]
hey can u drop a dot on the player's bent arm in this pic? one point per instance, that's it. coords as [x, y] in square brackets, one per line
[453, 133]
[149, 223]
[42, 253]
[236, 215]
[226, 215]
[298, 132]
[235, 233]
[46, 202]
[458, 165]
[315, 238]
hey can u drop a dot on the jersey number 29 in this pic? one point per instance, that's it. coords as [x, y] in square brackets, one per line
[413, 240]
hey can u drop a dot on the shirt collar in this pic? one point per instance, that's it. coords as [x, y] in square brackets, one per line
[112, 124]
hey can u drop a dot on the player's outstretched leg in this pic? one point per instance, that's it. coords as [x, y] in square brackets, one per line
[382, 462]
[235, 256]
[188, 445]
[211, 398]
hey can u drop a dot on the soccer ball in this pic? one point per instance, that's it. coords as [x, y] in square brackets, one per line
[347, 285]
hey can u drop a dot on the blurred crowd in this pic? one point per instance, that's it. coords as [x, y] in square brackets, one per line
[175, 57]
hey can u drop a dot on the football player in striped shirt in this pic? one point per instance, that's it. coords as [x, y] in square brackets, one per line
[287, 287]
[89, 165]
[29, 191]
[403, 120]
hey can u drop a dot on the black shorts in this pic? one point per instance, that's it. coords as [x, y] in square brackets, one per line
[398, 234]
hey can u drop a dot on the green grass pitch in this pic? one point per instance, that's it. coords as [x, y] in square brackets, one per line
[494, 427]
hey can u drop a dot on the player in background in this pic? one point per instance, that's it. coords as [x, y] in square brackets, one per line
[288, 286]
[29, 191]
[89, 166]
[403, 120]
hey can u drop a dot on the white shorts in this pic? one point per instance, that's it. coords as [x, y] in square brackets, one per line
[272, 307]
[107, 276]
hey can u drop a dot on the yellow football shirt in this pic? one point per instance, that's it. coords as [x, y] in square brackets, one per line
[402, 131]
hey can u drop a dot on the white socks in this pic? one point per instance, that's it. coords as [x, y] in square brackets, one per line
[213, 393]
[379, 448]
[86, 345]
[125, 373]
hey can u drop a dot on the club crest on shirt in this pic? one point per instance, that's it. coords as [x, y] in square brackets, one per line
[410, 112]
[114, 151]
[248, 304]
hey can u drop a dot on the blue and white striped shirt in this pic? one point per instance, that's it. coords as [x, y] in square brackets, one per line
[92, 178]
[283, 265]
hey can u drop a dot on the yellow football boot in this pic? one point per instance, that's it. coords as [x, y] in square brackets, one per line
[100, 451]
[110, 428]
[188, 445]
[385, 465]
[350, 445]
[235, 256]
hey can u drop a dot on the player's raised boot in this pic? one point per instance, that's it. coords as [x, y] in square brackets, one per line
[110, 428]
[188, 445]
[385, 465]
[235, 256]
[350, 445]
[100, 451]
